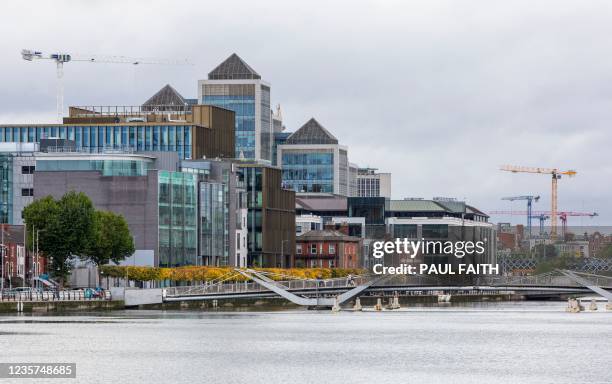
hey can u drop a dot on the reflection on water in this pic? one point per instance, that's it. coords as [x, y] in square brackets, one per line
[517, 342]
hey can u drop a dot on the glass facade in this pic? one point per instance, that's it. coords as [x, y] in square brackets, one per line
[107, 167]
[239, 98]
[266, 124]
[251, 111]
[100, 138]
[214, 223]
[372, 208]
[279, 138]
[177, 194]
[252, 179]
[408, 231]
[308, 171]
[6, 191]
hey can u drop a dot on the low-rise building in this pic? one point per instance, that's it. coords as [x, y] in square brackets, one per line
[327, 248]
[306, 223]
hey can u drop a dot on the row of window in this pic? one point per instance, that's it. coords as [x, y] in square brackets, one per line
[317, 249]
[142, 138]
[107, 167]
[307, 159]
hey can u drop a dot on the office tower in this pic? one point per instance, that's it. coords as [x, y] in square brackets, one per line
[236, 86]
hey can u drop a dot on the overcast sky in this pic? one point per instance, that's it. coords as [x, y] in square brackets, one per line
[439, 93]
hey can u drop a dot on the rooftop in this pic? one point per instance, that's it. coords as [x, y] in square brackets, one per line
[326, 235]
[415, 206]
[312, 133]
[334, 203]
[167, 96]
[233, 68]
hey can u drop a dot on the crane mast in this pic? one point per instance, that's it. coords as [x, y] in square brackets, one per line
[61, 58]
[529, 199]
[556, 175]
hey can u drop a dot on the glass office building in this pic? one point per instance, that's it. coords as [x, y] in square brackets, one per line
[241, 100]
[308, 172]
[177, 194]
[6, 191]
[234, 85]
[214, 223]
[313, 162]
[279, 139]
[102, 138]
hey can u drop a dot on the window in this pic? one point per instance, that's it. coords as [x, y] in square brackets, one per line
[238, 241]
[298, 229]
[27, 169]
[313, 249]
[27, 192]
[332, 248]
[298, 249]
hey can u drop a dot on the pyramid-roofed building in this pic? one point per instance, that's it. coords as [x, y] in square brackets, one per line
[167, 96]
[233, 68]
[314, 162]
[312, 133]
[234, 85]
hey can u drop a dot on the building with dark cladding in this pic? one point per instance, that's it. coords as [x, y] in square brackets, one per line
[416, 219]
[271, 216]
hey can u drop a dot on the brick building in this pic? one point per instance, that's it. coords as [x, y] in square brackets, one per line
[17, 266]
[328, 248]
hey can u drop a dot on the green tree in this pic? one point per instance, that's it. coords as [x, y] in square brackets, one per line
[66, 228]
[605, 252]
[546, 252]
[112, 240]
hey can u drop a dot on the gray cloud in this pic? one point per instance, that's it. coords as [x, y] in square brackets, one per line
[438, 93]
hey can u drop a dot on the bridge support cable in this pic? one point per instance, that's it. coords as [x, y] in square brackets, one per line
[360, 288]
[306, 301]
[272, 286]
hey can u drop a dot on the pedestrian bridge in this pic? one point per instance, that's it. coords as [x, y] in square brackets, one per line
[335, 291]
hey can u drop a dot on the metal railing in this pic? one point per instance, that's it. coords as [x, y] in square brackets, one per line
[127, 111]
[551, 279]
[251, 287]
[66, 295]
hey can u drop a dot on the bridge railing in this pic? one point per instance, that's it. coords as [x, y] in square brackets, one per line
[62, 295]
[549, 280]
[247, 287]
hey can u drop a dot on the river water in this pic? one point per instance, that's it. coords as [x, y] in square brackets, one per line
[518, 342]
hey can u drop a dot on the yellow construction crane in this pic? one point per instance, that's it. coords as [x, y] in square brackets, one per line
[556, 175]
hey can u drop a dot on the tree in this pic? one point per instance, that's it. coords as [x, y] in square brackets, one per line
[605, 252]
[112, 240]
[66, 228]
[545, 251]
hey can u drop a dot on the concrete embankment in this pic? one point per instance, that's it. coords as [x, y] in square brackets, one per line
[267, 304]
[60, 306]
